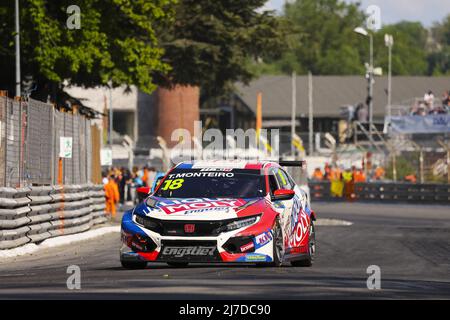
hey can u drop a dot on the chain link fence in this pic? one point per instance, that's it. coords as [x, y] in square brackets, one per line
[31, 132]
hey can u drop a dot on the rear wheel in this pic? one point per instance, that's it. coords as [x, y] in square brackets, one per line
[178, 264]
[133, 264]
[307, 262]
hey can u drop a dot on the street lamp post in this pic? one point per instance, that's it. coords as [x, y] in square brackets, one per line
[293, 111]
[364, 32]
[389, 41]
[17, 45]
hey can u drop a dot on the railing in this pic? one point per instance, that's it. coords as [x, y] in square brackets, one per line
[387, 192]
[31, 215]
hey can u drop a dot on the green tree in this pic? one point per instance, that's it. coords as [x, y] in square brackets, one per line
[323, 40]
[211, 42]
[439, 58]
[117, 42]
[409, 55]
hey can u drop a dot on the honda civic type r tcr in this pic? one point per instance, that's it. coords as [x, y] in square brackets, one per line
[221, 211]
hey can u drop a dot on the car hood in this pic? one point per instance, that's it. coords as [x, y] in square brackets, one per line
[195, 208]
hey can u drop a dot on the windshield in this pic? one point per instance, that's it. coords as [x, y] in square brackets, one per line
[214, 183]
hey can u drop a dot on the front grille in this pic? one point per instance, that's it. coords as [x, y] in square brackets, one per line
[176, 228]
[201, 228]
[185, 250]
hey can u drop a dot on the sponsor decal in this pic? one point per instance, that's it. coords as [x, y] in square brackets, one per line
[200, 174]
[176, 206]
[263, 239]
[206, 210]
[256, 257]
[300, 230]
[180, 252]
[247, 247]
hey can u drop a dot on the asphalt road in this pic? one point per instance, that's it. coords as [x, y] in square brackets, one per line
[410, 244]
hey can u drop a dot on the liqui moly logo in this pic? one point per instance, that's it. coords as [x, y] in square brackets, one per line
[176, 206]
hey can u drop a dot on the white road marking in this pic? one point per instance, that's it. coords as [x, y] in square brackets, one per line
[332, 222]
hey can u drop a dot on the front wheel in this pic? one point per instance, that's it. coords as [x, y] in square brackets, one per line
[307, 262]
[278, 245]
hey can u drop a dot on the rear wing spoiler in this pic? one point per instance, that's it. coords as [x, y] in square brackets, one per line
[292, 163]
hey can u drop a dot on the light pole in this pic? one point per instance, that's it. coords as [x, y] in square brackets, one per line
[17, 45]
[110, 118]
[389, 41]
[293, 110]
[364, 32]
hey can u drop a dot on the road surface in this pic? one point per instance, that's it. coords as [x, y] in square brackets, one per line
[410, 244]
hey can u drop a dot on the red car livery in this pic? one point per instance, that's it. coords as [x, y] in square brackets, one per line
[221, 211]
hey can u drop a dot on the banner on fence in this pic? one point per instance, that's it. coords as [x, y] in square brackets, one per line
[421, 124]
[65, 147]
[106, 157]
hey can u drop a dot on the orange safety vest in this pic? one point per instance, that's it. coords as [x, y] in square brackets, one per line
[335, 174]
[379, 172]
[318, 175]
[359, 176]
[411, 178]
[112, 197]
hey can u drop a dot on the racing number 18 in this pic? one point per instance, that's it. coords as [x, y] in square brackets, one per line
[172, 184]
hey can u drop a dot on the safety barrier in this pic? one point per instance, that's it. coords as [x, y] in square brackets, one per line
[389, 192]
[31, 215]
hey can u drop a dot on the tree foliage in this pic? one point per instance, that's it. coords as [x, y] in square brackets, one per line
[323, 40]
[146, 43]
[439, 58]
[116, 43]
[409, 53]
[326, 44]
[211, 41]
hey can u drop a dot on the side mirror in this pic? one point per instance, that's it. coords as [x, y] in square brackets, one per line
[156, 183]
[283, 194]
[142, 193]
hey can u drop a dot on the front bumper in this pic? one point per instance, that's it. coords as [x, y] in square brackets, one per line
[141, 244]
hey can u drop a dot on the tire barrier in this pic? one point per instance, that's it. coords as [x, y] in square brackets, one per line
[31, 215]
[387, 192]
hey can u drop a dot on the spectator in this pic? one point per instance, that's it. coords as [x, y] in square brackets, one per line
[379, 173]
[151, 176]
[411, 178]
[123, 182]
[112, 196]
[428, 98]
[349, 184]
[327, 170]
[317, 175]
[337, 185]
[361, 113]
[145, 177]
[359, 176]
[446, 101]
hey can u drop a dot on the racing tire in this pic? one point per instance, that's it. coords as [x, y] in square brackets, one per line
[308, 261]
[277, 245]
[178, 264]
[133, 264]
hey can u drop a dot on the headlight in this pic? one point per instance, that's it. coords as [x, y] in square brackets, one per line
[244, 222]
[147, 223]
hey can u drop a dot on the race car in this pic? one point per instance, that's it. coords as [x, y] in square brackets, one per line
[221, 211]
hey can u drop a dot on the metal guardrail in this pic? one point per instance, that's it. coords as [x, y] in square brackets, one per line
[31, 215]
[388, 192]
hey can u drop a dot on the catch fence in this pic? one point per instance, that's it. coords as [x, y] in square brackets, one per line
[31, 135]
